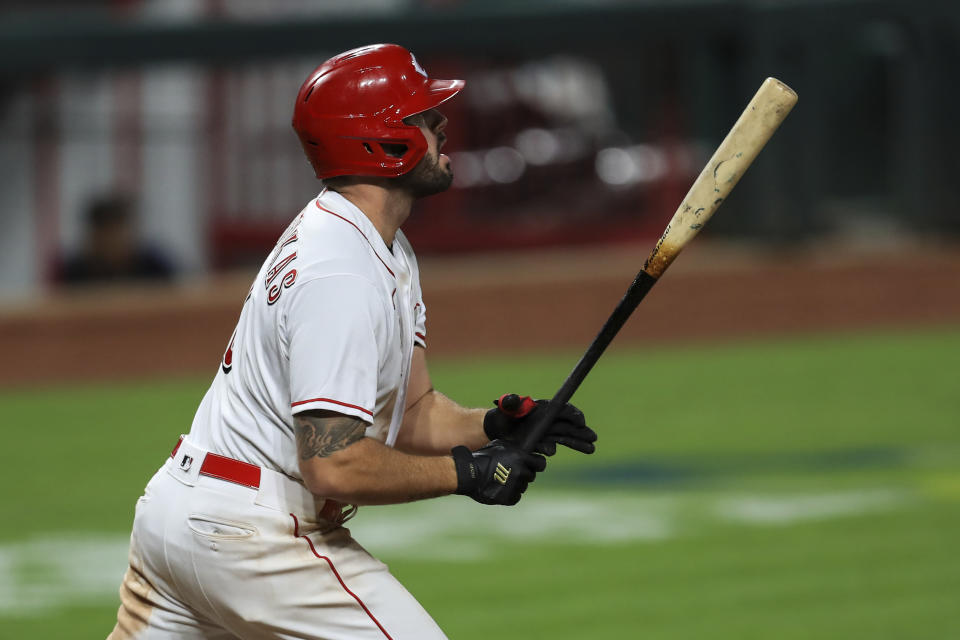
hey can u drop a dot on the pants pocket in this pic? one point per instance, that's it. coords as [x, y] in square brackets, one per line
[220, 528]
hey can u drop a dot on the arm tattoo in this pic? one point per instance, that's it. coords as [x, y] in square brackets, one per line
[323, 435]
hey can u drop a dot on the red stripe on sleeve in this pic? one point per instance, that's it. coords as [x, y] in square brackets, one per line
[342, 404]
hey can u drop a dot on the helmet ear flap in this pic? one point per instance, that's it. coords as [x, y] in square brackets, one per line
[384, 154]
[394, 149]
[400, 152]
[384, 151]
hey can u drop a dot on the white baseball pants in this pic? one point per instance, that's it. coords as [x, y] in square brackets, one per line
[213, 559]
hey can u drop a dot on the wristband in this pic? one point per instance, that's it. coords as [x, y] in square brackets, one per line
[468, 476]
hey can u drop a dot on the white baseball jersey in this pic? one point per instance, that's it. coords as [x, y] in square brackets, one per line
[330, 323]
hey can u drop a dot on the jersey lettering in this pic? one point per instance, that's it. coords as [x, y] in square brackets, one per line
[227, 363]
[273, 294]
[276, 268]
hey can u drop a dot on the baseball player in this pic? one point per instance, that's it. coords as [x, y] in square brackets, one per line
[323, 400]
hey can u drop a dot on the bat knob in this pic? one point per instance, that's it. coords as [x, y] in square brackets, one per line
[516, 406]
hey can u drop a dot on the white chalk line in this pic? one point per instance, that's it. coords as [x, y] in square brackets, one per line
[50, 571]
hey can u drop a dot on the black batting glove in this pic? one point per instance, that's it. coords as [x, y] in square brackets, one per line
[515, 415]
[497, 473]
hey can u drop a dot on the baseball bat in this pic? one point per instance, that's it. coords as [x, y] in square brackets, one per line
[764, 113]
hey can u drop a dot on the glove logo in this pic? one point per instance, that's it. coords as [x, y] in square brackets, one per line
[501, 473]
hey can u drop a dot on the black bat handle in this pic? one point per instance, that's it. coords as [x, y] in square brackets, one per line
[635, 293]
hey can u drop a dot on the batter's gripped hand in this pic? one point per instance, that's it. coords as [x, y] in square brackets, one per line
[497, 473]
[515, 415]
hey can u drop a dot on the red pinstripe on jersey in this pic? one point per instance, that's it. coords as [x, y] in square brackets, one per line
[296, 533]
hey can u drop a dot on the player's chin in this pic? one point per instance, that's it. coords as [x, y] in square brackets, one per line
[443, 182]
[442, 175]
[436, 181]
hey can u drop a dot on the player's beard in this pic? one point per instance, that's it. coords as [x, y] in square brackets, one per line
[427, 178]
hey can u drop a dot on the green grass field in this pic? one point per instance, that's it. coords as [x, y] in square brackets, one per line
[807, 488]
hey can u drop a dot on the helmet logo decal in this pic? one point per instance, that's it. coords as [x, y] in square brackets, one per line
[416, 65]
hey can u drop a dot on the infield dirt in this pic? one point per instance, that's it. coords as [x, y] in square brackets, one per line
[508, 302]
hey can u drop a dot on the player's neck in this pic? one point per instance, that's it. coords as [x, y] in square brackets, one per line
[386, 208]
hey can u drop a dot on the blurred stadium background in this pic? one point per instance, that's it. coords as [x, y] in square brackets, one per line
[780, 422]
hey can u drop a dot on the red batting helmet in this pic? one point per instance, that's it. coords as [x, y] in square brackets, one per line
[354, 103]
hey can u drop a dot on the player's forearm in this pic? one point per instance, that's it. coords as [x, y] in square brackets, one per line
[435, 424]
[338, 462]
[369, 472]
